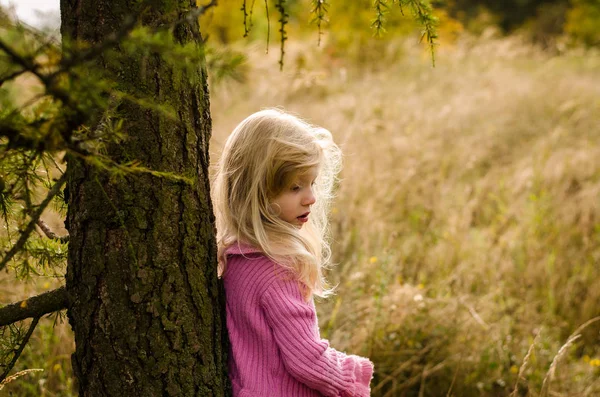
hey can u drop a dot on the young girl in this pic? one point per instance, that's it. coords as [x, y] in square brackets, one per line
[271, 194]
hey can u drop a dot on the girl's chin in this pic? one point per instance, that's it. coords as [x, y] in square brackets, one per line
[296, 223]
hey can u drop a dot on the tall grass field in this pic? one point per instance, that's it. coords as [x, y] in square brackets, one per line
[466, 228]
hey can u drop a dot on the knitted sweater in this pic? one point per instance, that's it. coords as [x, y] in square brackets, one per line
[276, 350]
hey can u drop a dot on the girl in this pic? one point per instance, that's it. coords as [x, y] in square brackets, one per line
[271, 192]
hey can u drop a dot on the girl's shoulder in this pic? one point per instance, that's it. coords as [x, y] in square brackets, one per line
[241, 248]
[249, 262]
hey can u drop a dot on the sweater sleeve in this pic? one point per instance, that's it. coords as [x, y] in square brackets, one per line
[306, 356]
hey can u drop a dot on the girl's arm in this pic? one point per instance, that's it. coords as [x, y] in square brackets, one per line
[307, 357]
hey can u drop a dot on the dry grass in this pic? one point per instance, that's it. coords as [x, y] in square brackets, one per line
[468, 213]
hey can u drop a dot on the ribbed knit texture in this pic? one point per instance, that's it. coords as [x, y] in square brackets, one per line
[276, 350]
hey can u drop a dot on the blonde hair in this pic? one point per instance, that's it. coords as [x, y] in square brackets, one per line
[262, 157]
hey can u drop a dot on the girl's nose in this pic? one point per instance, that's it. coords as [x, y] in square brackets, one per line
[310, 198]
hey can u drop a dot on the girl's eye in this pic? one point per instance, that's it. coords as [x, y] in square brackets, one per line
[295, 188]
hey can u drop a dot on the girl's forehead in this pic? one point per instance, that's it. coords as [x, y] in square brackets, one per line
[309, 174]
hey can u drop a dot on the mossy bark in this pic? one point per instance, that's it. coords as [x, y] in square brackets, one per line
[145, 303]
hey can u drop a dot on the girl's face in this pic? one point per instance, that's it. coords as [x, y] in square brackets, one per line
[293, 204]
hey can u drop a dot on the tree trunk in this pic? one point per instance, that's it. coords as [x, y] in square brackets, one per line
[145, 303]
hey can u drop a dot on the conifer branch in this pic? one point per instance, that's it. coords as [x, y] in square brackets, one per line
[381, 8]
[268, 25]
[247, 16]
[17, 140]
[283, 20]
[34, 218]
[250, 14]
[29, 64]
[19, 350]
[49, 233]
[246, 27]
[319, 9]
[423, 12]
[36, 306]
[11, 76]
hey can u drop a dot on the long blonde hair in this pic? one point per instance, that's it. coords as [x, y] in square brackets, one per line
[263, 156]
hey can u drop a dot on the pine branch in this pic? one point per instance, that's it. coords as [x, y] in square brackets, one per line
[17, 140]
[78, 116]
[34, 218]
[319, 9]
[381, 8]
[423, 12]
[28, 64]
[36, 306]
[283, 20]
[250, 14]
[11, 76]
[20, 349]
[246, 27]
[49, 233]
[268, 25]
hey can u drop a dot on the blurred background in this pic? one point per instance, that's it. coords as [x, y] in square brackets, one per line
[466, 228]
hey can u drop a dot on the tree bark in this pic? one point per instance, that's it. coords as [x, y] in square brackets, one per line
[145, 304]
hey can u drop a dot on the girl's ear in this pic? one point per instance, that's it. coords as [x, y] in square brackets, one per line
[275, 209]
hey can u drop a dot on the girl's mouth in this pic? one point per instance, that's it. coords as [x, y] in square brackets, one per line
[303, 217]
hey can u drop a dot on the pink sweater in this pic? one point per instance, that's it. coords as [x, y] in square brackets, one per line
[276, 350]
